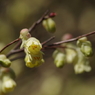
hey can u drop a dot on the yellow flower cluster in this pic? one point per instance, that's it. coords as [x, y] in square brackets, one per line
[32, 48]
[33, 52]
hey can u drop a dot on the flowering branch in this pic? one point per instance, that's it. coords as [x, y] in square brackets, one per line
[53, 45]
[50, 46]
[31, 49]
[45, 16]
[73, 39]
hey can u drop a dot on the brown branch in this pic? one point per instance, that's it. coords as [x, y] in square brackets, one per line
[39, 21]
[45, 42]
[71, 40]
[14, 52]
[9, 44]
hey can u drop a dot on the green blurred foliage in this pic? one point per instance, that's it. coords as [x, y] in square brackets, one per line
[73, 16]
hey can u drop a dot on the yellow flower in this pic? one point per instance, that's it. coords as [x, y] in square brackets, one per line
[33, 46]
[34, 60]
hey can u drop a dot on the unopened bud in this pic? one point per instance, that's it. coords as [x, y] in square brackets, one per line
[86, 49]
[24, 34]
[71, 56]
[67, 36]
[79, 68]
[81, 40]
[59, 60]
[8, 85]
[4, 61]
[49, 25]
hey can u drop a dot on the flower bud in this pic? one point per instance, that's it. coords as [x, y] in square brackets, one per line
[49, 25]
[79, 68]
[81, 40]
[4, 61]
[24, 34]
[8, 84]
[71, 56]
[59, 60]
[86, 49]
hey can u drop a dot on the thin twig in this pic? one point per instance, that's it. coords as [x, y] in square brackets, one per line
[73, 39]
[14, 52]
[9, 44]
[48, 40]
[17, 45]
[39, 21]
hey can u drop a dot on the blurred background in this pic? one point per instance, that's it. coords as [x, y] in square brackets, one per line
[73, 16]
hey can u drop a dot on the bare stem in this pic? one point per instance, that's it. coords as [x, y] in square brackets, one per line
[48, 40]
[39, 21]
[14, 52]
[9, 44]
[73, 39]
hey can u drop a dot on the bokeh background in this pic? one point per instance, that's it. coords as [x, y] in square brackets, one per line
[73, 16]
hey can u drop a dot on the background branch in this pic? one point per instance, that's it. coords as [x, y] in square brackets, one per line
[71, 40]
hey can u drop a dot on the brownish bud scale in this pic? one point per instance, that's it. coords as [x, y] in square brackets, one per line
[52, 14]
[67, 36]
